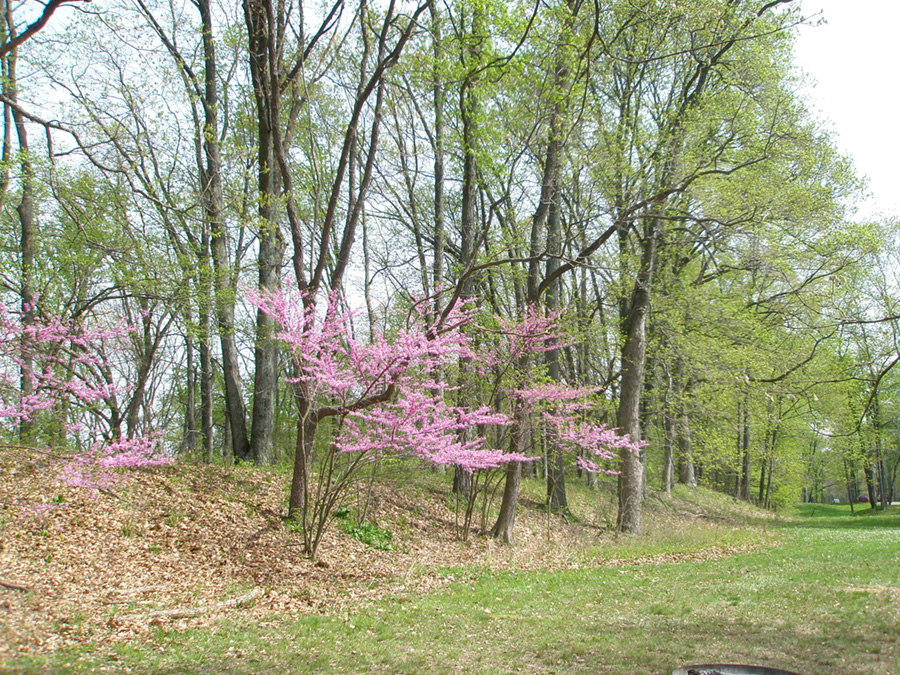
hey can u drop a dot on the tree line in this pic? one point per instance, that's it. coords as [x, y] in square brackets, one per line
[644, 227]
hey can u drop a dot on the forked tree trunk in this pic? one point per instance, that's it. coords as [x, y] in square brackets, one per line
[224, 292]
[271, 241]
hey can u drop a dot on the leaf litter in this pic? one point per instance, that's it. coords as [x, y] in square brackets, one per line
[182, 544]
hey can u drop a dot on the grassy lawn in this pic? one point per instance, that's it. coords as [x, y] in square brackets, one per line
[826, 600]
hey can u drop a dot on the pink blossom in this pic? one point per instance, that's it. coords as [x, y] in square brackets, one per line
[384, 389]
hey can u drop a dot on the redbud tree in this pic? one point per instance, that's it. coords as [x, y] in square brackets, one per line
[384, 395]
[69, 389]
[557, 413]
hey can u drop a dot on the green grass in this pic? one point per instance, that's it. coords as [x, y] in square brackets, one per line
[839, 515]
[826, 600]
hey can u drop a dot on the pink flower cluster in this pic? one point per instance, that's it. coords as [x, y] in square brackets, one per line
[385, 389]
[58, 350]
[566, 413]
[423, 425]
[60, 362]
[91, 469]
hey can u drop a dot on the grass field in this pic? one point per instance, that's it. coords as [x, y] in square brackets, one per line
[824, 599]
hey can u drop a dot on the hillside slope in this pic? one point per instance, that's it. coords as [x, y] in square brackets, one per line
[182, 544]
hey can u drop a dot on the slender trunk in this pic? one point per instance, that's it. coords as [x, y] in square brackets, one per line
[877, 462]
[271, 242]
[438, 95]
[189, 434]
[669, 434]
[851, 484]
[762, 470]
[213, 202]
[205, 286]
[303, 454]
[745, 454]
[469, 107]
[547, 217]
[206, 394]
[556, 470]
[27, 222]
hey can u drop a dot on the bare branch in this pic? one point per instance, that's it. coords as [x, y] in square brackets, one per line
[32, 29]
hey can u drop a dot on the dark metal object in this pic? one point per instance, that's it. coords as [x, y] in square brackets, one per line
[729, 669]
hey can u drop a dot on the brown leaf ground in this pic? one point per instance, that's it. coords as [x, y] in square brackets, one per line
[182, 544]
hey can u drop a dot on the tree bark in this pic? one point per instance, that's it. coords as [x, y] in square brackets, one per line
[556, 469]
[469, 109]
[634, 353]
[25, 211]
[506, 519]
[745, 456]
[439, 199]
[669, 434]
[687, 474]
[213, 201]
[271, 242]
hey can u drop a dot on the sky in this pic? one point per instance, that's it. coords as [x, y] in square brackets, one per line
[854, 60]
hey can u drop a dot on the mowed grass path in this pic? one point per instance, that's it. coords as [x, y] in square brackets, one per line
[827, 600]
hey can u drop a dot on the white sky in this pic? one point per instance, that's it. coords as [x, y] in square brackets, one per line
[854, 60]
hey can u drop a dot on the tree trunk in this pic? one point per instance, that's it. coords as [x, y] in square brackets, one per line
[213, 202]
[634, 352]
[189, 433]
[205, 284]
[503, 528]
[871, 490]
[307, 424]
[271, 242]
[206, 392]
[438, 149]
[27, 224]
[556, 469]
[668, 477]
[762, 482]
[469, 108]
[144, 361]
[545, 238]
[686, 471]
[745, 456]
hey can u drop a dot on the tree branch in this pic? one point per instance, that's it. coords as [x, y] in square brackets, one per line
[32, 29]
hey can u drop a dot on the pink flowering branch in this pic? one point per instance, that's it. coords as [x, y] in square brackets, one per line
[64, 358]
[93, 469]
[363, 379]
[70, 366]
[385, 393]
[565, 413]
